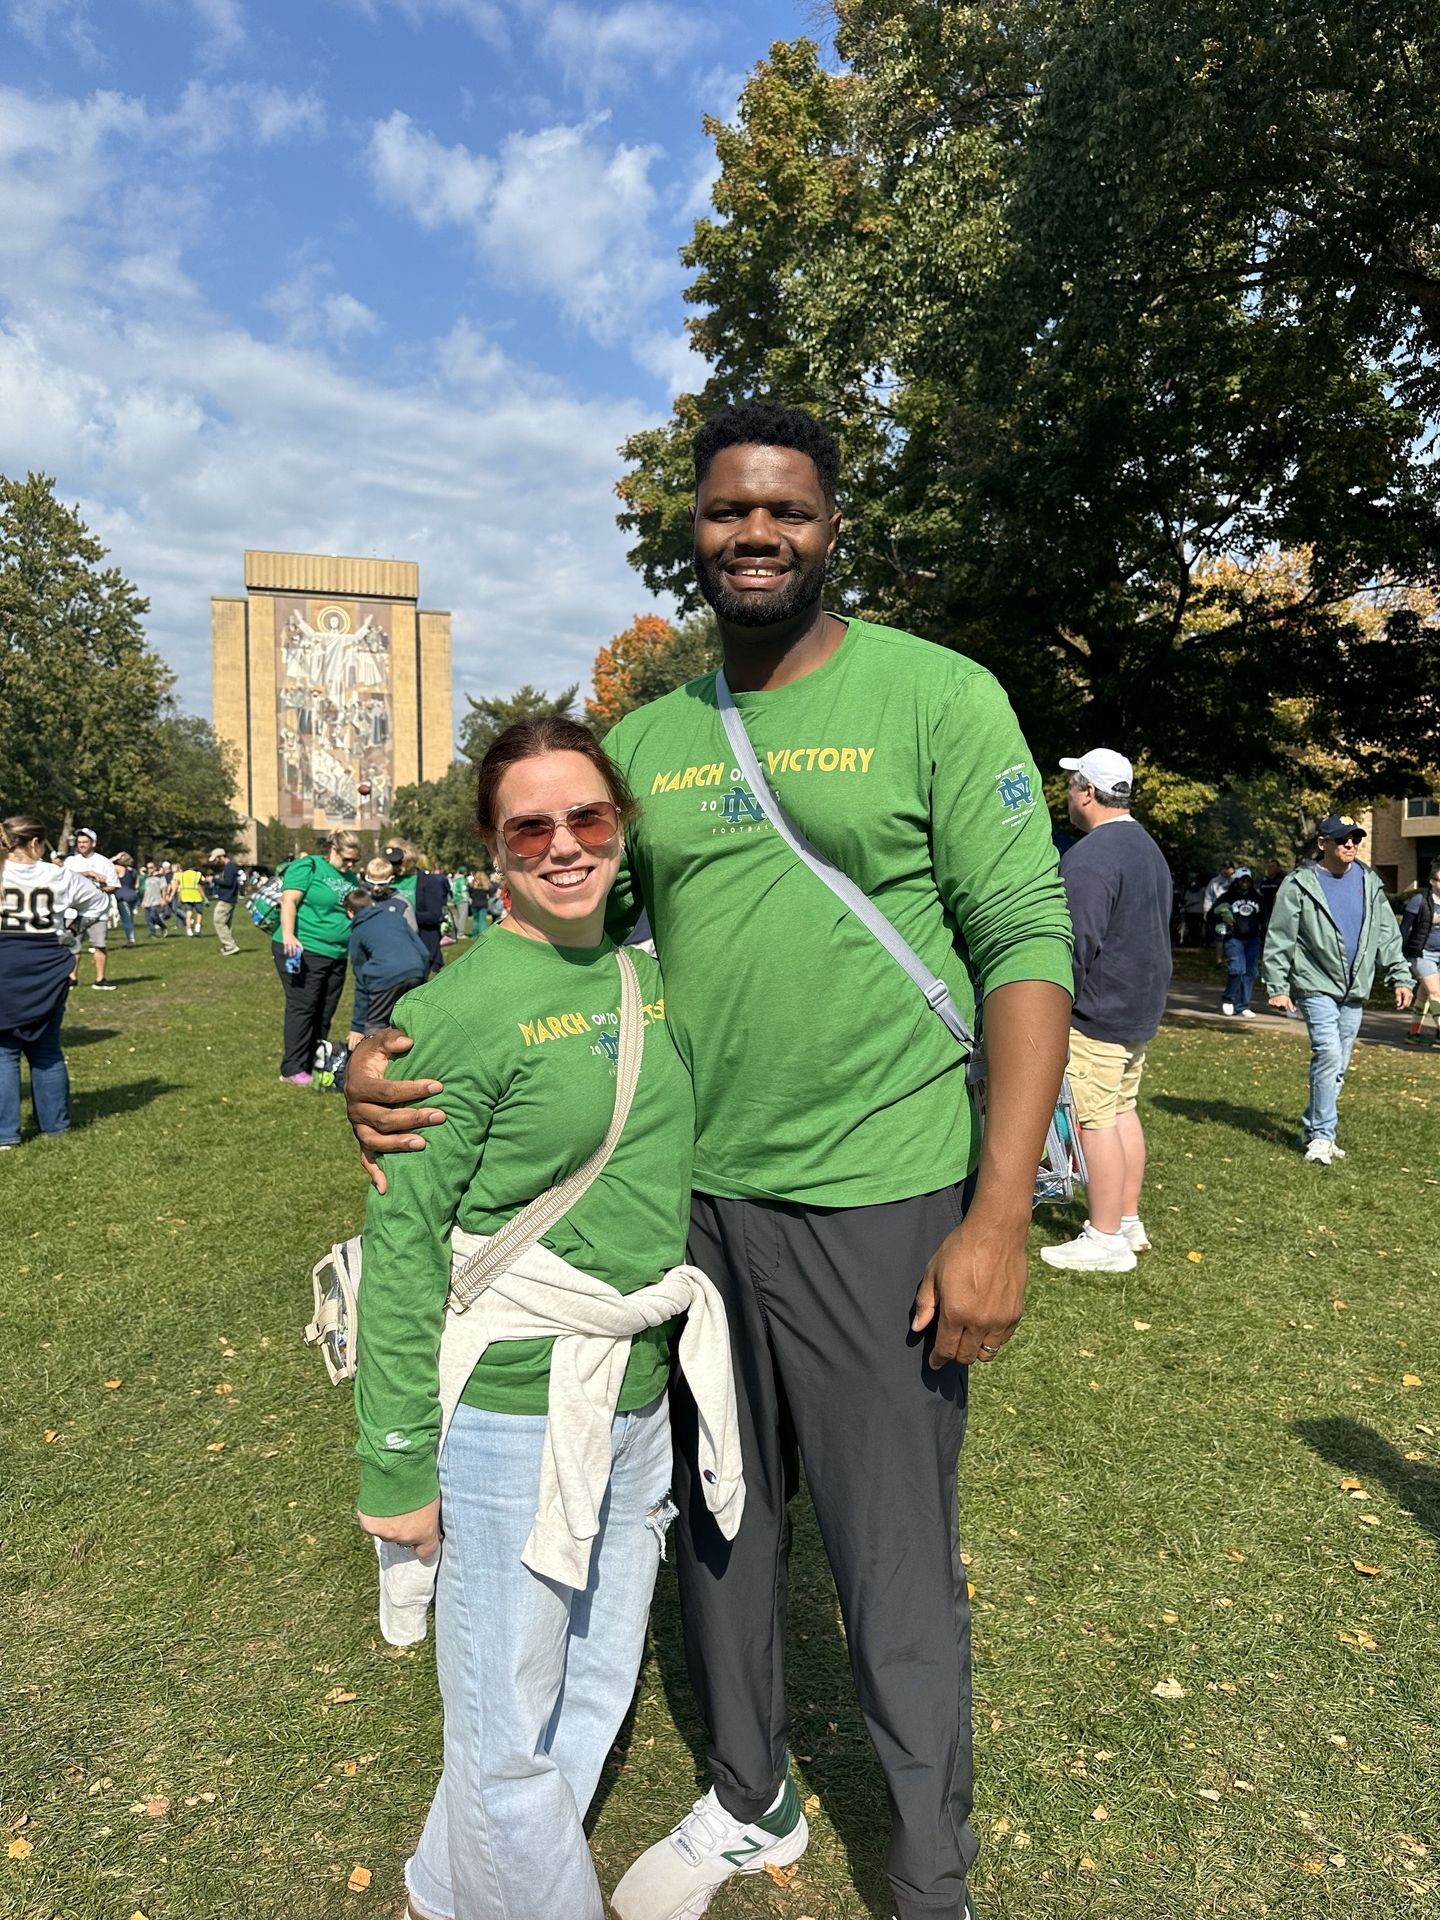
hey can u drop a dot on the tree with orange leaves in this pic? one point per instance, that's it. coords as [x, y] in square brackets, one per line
[649, 658]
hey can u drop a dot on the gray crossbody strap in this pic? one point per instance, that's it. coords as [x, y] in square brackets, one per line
[937, 995]
[504, 1248]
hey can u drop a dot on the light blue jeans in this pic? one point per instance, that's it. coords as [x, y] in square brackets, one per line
[1333, 1026]
[536, 1677]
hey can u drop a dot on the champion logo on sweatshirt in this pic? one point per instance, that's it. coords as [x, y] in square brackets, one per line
[396, 1442]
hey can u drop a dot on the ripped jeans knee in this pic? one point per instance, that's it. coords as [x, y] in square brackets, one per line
[659, 1518]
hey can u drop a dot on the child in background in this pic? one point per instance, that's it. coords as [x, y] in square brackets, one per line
[380, 882]
[388, 958]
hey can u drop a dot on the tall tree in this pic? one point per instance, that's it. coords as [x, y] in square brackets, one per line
[488, 718]
[87, 722]
[1098, 293]
[650, 657]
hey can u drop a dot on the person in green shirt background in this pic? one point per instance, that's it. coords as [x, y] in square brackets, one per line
[310, 948]
[535, 1676]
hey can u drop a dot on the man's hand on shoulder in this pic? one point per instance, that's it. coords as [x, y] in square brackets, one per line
[385, 1113]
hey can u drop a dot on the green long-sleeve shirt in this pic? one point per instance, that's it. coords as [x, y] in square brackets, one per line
[820, 1074]
[524, 1037]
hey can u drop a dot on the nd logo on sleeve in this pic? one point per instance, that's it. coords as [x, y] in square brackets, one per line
[1016, 790]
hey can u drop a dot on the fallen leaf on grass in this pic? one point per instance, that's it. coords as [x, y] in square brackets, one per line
[782, 1876]
[155, 1808]
[1169, 1618]
[1311, 1866]
[1196, 1257]
[1086, 1864]
[112, 1384]
[1100, 1813]
[1415, 1454]
[360, 1878]
[1411, 1380]
[1349, 1484]
[338, 1697]
[223, 1386]
[811, 1806]
[216, 1446]
[1168, 1690]
[20, 1849]
[1368, 1571]
[1231, 1553]
[1360, 1638]
[1141, 1326]
[1207, 1793]
[1337, 1859]
[51, 1433]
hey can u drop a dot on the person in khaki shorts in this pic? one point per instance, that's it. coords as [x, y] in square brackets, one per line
[1119, 892]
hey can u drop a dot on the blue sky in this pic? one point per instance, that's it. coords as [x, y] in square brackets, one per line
[364, 276]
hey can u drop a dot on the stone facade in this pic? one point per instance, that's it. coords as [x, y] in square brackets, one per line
[332, 685]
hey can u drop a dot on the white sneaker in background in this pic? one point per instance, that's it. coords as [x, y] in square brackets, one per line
[1320, 1153]
[1091, 1252]
[1227, 1006]
[679, 1876]
[1247, 1013]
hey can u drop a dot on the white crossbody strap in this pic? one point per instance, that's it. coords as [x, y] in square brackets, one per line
[504, 1249]
[937, 995]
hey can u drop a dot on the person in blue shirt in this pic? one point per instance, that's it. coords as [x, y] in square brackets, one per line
[388, 958]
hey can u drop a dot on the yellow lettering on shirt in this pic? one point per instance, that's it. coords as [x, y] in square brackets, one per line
[527, 1032]
[777, 760]
[847, 759]
[867, 754]
[657, 785]
[829, 759]
[689, 777]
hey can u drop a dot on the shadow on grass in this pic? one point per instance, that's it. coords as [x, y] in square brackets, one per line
[86, 1036]
[828, 1740]
[1371, 1457]
[103, 1103]
[1225, 1113]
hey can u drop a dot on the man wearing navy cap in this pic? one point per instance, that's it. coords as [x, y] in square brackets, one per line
[1331, 926]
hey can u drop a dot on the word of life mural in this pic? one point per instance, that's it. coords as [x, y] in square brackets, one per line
[335, 719]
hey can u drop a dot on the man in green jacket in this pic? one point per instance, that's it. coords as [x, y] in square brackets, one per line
[1330, 928]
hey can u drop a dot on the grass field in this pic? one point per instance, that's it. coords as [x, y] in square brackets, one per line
[1218, 1476]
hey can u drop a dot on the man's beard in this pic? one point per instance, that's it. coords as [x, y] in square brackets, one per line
[752, 609]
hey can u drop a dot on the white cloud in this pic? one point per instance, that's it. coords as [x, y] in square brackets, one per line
[557, 212]
[67, 21]
[605, 51]
[186, 437]
[673, 362]
[223, 25]
[311, 310]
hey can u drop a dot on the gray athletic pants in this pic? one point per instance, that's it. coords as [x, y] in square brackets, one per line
[829, 1377]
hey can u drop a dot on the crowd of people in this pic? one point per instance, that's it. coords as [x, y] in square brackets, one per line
[625, 1150]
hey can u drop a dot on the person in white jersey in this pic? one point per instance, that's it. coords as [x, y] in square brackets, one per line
[100, 872]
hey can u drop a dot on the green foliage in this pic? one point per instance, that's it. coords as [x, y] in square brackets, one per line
[488, 718]
[87, 724]
[438, 816]
[1098, 296]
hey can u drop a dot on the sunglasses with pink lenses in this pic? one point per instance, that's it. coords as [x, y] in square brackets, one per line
[593, 824]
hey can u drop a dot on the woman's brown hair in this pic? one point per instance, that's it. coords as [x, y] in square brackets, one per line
[526, 740]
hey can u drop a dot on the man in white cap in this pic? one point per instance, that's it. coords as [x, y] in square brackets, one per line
[1119, 892]
[226, 873]
[98, 869]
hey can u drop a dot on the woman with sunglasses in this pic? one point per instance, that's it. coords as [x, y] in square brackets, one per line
[523, 1032]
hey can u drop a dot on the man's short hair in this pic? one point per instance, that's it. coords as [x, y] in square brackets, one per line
[1105, 799]
[358, 899]
[765, 423]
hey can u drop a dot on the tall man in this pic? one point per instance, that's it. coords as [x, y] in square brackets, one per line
[101, 872]
[1330, 927]
[1119, 889]
[836, 1142]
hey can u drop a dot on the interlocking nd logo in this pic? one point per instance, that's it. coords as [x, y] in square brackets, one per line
[739, 805]
[1016, 790]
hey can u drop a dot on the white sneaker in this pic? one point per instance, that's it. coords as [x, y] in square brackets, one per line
[1135, 1236]
[679, 1876]
[1092, 1252]
[1227, 1006]
[1321, 1152]
[1247, 1013]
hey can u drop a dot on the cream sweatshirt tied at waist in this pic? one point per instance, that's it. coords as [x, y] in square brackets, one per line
[543, 1297]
